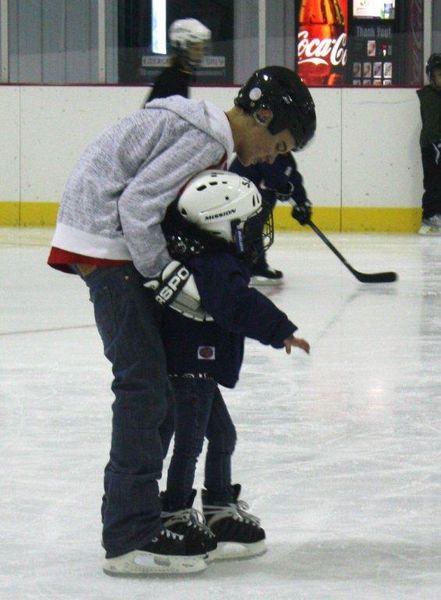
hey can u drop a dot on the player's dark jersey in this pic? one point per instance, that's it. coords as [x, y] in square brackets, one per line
[276, 177]
[216, 348]
[430, 108]
[171, 82]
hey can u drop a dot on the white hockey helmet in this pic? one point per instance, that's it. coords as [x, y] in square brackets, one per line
[229, 208]
[219, 202]
[185, 32]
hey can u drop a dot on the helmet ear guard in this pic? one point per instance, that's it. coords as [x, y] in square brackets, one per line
[263, 115]
[283, 92]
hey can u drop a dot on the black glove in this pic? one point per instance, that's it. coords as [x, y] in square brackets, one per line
[169, 282]
[302, 212]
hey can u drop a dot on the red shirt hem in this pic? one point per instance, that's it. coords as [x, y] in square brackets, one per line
[63, 259]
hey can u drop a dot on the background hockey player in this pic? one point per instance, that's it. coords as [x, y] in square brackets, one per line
[277, 181]
[188, 39]
[430, 142]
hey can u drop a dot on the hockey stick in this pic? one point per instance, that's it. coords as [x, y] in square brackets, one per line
[386, 277]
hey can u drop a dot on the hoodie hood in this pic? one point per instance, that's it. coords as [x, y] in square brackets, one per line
[204, 115]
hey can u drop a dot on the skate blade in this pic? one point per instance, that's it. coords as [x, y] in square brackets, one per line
[238, 551]
[429, 231]
[257, 281]
[144, 564]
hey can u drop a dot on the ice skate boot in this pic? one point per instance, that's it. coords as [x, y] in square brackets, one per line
[431, 226]
[165, 554]
[189, 523]
[265, 275]
[238, 532]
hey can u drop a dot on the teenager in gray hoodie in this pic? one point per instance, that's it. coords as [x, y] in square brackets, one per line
[109, 232]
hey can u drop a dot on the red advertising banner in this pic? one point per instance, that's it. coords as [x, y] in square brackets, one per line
[322, 39]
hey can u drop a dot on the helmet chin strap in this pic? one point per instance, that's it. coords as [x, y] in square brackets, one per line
[238, 237]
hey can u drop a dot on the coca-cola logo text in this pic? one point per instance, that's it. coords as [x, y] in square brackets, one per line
[317, 50]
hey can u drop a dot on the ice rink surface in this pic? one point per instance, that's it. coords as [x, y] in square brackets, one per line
[339, 452]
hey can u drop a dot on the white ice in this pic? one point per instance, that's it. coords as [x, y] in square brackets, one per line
[339, 452]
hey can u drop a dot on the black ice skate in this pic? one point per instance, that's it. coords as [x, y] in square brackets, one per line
[189, 523]
[265, 275]
[165, 554]
[238, 532]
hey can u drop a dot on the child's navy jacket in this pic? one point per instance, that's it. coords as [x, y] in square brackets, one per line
[215, 348]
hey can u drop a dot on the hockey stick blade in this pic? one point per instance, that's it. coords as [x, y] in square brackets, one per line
[386, 277]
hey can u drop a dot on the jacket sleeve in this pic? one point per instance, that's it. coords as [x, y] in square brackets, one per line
[143, 203]
[222, 282]
[295, 178]
[275, 177]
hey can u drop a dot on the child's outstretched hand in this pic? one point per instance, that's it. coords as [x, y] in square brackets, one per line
[291, 341]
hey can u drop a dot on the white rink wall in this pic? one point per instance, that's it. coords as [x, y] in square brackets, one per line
[365, 153]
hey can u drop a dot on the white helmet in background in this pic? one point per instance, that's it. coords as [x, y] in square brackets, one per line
[185, 32]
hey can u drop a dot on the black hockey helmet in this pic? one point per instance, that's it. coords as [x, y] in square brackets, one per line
[284, 92]
[433, 62]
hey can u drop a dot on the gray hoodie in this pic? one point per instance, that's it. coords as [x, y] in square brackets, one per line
[119, 190]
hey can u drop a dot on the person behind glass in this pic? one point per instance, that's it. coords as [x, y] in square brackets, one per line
[109, 232]
[277, 181]
[188, 39]
[430, 143]
[211, 235]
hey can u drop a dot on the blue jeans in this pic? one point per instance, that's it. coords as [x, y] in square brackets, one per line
[127, 320]
[199, 412]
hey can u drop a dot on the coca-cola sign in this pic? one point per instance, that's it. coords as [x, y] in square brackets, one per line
[322, 39]
[321, 51]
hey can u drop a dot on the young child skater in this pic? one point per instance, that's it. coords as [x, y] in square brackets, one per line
[210, 309]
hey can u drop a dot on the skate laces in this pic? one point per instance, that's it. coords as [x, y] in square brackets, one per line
[242, 508]
[171, 535]
[191, 516]
[237, 511]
